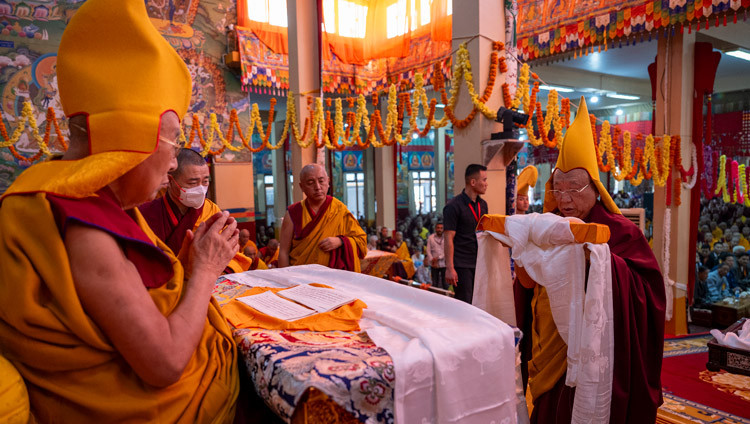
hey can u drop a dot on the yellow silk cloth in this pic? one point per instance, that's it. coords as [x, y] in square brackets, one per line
[72, 371]
[14, 401]
[239, 262]
[337, 221]
[403, 253]
[343, 318]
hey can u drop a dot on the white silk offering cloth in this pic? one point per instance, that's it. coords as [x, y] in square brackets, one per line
[545, 246]
[454, 363]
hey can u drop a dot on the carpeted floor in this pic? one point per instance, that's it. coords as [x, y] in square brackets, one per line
[693, 394]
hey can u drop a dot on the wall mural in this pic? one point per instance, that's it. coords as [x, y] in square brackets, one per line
[30, 33]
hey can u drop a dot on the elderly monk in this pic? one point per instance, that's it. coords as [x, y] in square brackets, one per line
[251, 252]
[527, 178]
[100, 318]
[270, 253]
[574, 190]
[184, 206]
[320, 229]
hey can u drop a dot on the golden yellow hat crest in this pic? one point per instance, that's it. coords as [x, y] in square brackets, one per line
[527, 178]
[115, 67]
[578, 151]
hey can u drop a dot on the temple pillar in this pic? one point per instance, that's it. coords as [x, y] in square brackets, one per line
[486, 19]
[385, 186]
[440, 171]
[304, 76]
[674, 102]
[368, 160]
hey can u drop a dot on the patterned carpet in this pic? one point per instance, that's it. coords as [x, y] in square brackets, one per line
[732, 389]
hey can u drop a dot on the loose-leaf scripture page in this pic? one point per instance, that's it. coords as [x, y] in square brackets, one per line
[275, 306]
[318, 298]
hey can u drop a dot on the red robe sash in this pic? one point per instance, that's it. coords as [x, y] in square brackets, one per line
[163, 216]
[104, 213]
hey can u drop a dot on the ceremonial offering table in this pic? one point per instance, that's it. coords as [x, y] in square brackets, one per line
[303, 376]
[378, 262]
[724, 314]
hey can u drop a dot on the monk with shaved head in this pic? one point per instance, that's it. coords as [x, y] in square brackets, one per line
[320, 229]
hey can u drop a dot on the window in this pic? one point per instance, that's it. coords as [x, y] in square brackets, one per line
[352, 18]
[354, 195]
[397, 16]
[268, 191]
[269, 11]
[425, 192]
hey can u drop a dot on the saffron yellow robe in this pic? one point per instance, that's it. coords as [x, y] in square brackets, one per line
[744, 243]
[72, 371]
[336, 221]
[403, 253]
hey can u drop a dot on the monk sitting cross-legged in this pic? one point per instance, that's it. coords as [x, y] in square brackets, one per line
[320, 229]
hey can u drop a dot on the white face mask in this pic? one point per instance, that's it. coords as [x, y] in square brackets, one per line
[192, 197]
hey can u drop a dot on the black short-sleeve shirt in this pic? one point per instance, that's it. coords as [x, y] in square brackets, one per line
[459, 217]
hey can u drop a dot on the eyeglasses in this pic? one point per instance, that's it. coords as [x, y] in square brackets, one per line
[177, 144]
[558, 193]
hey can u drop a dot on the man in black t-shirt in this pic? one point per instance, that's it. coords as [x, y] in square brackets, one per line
[461, 216]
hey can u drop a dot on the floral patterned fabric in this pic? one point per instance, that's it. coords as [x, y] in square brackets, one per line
[348, 367]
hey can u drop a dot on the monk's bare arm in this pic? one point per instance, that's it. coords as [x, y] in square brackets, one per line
[111, 291]
[285, 244]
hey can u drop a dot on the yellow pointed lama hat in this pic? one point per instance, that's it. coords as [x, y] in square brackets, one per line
[114, 67]
[527, 178]
[578, 151]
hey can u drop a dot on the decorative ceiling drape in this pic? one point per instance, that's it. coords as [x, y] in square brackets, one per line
[366, 45]
[550, 27]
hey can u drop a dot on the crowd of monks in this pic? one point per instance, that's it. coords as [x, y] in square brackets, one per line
[110, 255]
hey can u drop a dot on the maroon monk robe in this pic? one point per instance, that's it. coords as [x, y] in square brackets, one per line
[638, 306]
[163, 216]
[104, 213]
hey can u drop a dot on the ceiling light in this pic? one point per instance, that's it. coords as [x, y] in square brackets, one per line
[439, 105]
[740, 54]
[619, 112]
[594, 99]
[622, 96]
[556, 88]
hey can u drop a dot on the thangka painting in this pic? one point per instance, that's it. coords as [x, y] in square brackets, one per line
[548, 27]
